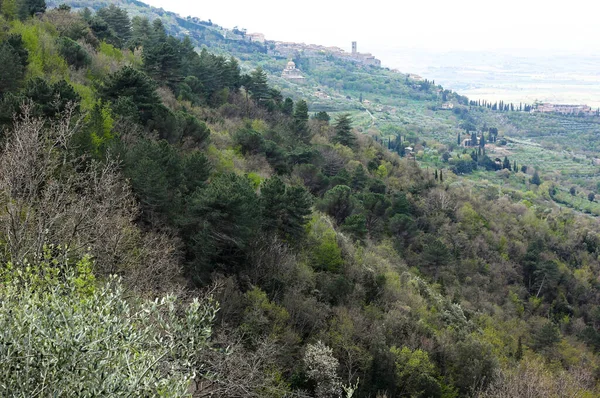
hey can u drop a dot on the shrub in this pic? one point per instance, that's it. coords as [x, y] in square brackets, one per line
[62, 335]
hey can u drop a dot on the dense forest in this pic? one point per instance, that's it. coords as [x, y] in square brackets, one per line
[171, 226]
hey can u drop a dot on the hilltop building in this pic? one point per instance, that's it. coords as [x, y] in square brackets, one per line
[292, 73]
[288, 49]
[366, 58]
[564, 109]
[256, 37]
[414, 77]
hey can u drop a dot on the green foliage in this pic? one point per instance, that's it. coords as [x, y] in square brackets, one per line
[218, 224]
[118, 22]
[28, 8]
[73, 53]
[285, 209]
[39, 39]
[323, 117]
[262, 317]
[338, 203]
[134, 96]
[325, 254]
[161, 56]
[196, 170]
[287, 107]
[520, 269]
[249, 140]
[343, 131]
[89, 339]
[301, 122]
[50, 100]
[98, 134]
[110, 51]
[546, 337]
[415, 374]
[12, 71]
[257, 85]
[154, 169]
[536, 180]
[193, 129]
[356, 225]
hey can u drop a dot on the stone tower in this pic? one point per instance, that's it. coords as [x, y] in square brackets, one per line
[354, 48]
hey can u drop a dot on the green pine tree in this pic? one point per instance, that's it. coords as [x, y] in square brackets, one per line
[343, 131]
[257, 85]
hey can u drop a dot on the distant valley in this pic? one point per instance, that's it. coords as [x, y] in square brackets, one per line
[510, 76]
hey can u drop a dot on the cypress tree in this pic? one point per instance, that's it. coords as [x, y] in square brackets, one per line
[301, 121]
[519, 353]
[536, 178]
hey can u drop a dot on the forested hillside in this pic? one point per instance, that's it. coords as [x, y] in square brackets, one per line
[173, 226]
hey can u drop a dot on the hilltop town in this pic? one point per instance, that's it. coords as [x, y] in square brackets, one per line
[288, 49]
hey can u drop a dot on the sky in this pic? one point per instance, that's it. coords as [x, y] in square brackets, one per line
[382, 26]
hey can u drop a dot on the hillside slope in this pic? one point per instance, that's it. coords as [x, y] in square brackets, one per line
[309, 259]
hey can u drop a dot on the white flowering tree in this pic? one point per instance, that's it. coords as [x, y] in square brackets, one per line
[321, 368]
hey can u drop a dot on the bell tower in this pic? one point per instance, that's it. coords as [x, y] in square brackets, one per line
[353, 48]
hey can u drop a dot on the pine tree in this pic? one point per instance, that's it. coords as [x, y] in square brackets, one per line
[257, 85]
[162, 59]
[323, 116]
[506, 163]
[343, 131]
[129, 84]
[359, 178]
[12, 71]
[233, 77]
[301, 121]
[287, 107]
[285, 209]
[140, 32]
[118, 21]
[28, 8]
[441, 176]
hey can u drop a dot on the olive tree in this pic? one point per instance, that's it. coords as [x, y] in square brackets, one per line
[64, 334]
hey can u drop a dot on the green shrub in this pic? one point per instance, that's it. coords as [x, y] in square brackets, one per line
[64, 335]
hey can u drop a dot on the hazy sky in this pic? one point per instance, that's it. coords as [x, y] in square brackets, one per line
[380, 26]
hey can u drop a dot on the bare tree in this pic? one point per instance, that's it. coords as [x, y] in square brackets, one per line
[50, 197]
[236, 372]
[532, 379]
